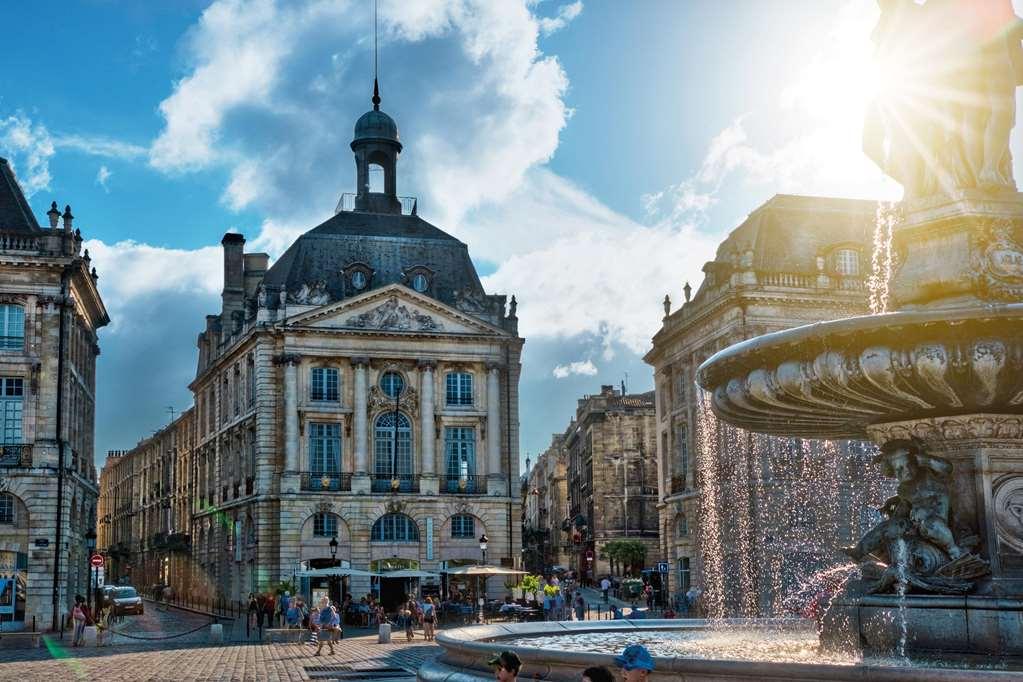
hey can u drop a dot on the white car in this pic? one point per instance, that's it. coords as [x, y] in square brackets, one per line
[125, 600]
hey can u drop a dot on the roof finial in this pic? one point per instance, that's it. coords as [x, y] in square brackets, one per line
[376, 65]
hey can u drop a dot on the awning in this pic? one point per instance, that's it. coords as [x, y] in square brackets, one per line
[334, 572]
[482, 570]
[408, 573]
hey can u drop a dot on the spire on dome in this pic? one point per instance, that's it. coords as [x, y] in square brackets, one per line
[376, 96]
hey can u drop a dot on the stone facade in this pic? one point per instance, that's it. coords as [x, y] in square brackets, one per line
[795, 260]
[545, 509]
[50, 311]
[365, 387]
[609, 452]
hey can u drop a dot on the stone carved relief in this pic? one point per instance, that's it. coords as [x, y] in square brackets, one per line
[944, 429]
[915, 548]
[392, 315]
[379, 401]
[467, 301]
[997, 261]
[311, 294]
[1008, 512]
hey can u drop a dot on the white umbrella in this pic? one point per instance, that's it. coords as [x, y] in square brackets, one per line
[482, 570]
[338, 571]
[408, 573]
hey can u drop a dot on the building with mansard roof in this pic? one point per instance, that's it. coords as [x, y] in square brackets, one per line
[363, 388]
[50, 311]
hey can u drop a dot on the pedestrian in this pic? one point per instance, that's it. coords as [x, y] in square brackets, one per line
[580, 607]
[507, 666]
[293, 617]
[428, 619]
[605, 587]
[636, 663]
[268, 609]
[326, 623]
[597, 673]
[102, 625]
[648, 592]
[78, 617]
[314, 625]
[251, 611]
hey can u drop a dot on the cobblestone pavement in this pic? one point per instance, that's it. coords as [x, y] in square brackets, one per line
[191, 658]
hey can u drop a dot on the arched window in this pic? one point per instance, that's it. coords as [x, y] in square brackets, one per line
[7, 508]
[392, 384]
[12, 327]
[392, 448]
[376, 178]
[460, 454]
[847, 262]
[463, 526]
[325, 525]
[458, 387]
[394, 528]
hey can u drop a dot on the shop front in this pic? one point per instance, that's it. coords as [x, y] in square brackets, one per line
[13, 584]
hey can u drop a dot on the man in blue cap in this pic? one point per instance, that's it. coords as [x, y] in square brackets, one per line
[635, 662]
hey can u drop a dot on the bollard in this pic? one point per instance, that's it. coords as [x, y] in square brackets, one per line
[90, 635]
[384, 636]
[216, 633]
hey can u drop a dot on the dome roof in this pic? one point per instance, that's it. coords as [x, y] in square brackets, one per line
[376, 125]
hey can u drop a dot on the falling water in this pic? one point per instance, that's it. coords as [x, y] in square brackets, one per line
[710, 510]
[902, 558]
[885, 221]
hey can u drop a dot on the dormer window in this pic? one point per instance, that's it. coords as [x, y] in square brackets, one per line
[420, 283]
[847, 262]
[419, 278]
[357, 276]
[359, 280]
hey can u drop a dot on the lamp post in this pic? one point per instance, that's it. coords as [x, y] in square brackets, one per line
[90, 544]
[482, 599]
[334, 563]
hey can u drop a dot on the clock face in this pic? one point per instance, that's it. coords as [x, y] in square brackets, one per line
[420, 283]
[359, 280]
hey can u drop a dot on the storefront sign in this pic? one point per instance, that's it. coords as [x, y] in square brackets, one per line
[429, 538]
[42, 542]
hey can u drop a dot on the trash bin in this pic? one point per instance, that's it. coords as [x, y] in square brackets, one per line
[385, 634]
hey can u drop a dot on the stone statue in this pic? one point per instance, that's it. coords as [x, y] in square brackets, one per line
[261, 296]
[943, 118]
[915, 541]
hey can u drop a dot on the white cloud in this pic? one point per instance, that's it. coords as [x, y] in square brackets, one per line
[581, 367]
[96, 145]
[565, 15]
[28, 146]
[102, 176]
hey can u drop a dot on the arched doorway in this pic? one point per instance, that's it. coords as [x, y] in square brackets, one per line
[397, 533]
[318, 530]
[14, 526]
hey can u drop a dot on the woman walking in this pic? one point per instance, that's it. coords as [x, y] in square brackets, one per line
[78, 615]
[428, 618]
[327, 617]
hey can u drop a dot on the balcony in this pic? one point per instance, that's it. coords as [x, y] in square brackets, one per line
[347, 203]
[15, 455]
[468, 485]
[678, 484]
[318, 481]
[400, 483]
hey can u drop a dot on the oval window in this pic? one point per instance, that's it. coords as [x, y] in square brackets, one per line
[359, 280]
[420, 283]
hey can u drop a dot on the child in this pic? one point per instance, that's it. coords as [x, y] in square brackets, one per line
[409, 624]
[314, 625]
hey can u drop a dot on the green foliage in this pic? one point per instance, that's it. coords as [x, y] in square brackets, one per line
[625, 552]
[551, 590]
[529, 583]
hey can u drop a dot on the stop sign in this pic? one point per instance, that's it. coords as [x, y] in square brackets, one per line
[96, 560]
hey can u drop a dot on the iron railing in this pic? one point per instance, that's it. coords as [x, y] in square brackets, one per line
[318, 480]
[398, 483]
[347, 203]
[15, 455]
[467, 485]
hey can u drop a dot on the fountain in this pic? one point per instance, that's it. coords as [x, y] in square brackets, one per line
[934, 376]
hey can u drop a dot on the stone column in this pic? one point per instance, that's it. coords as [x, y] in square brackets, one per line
[360, 478]
[290, 412]
[429, 483]
[495, 479]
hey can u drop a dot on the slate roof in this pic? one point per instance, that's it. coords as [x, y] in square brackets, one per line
[388, 243]
[15, 213]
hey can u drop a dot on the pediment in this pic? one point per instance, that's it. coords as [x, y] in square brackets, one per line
[392, 309]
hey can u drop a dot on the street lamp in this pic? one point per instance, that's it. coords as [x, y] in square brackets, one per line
[90, 544]
[333, 562]
[482, 599]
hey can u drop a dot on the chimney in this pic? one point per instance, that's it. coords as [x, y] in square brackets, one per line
[234, 276]
[68, 218]
[607, 390]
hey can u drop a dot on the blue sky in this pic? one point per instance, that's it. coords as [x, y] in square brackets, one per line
[592, 154]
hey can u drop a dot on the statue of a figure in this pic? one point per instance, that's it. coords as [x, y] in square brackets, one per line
[943, 119]
[916, 541]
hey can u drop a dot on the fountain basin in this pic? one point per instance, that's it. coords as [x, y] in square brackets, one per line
[837, 379]
[466, 650]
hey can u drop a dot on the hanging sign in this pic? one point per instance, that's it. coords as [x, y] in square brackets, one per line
[429, 538]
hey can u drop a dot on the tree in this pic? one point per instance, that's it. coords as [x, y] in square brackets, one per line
[626, 553]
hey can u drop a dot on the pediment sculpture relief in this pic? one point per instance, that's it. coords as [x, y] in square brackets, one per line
[393, 315]
[311, 294]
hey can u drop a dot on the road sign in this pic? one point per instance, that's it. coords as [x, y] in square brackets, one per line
[100, 578]
[96, 560]
[662, 566]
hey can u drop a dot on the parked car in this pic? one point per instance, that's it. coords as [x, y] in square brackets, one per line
[125, 600]
[106, 594]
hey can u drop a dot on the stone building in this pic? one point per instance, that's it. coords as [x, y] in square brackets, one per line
[50, 311]
[774, 510]
[363, 387]
[545, 509]
[609, 450]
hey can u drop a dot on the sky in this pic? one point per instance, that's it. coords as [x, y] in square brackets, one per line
[592, 154]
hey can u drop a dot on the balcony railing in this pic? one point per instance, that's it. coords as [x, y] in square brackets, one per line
[320, 481]
[347, 203]
[16, 242]
[400, 483]
[678, 484]
[469, 485]
[15, 455]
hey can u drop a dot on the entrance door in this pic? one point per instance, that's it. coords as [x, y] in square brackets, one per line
[392, 592]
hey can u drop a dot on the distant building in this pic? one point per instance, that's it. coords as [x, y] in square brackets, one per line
[782, 507]
[363, 388]
[545, 507]
[611, 452]
[50, 311]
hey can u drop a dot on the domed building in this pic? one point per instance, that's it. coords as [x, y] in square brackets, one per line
[356, 404]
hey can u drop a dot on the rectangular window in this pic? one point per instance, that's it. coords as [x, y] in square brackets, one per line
[460, 456]
[237, 390]
[324, 385]
[684, 575]
[458, 388]
[6, 508]
[250, 383]
[12, 395]
[325, 525]
[325, 448]
[682, 449]
[12, 327]
[463, 526]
